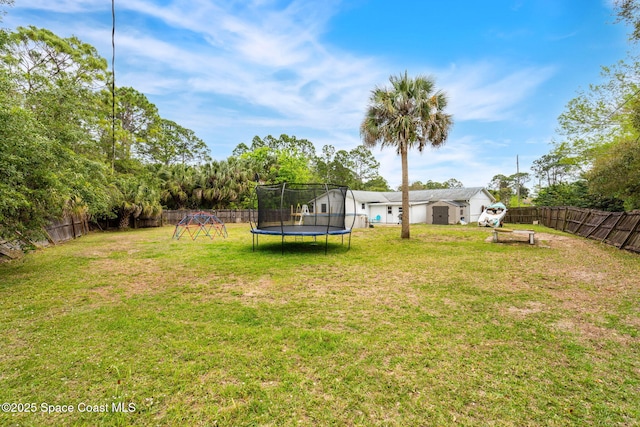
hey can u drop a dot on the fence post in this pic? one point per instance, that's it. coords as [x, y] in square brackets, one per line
[73, 227]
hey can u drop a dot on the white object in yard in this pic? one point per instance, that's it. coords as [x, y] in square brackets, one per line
[492, 215]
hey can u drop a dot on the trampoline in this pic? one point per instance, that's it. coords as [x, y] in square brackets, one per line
[301, 210]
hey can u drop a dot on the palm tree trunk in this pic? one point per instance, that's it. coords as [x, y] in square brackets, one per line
[405, 192]
[125, 219]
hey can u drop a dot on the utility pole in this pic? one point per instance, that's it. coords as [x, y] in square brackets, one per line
[113, 86]
[518, 179]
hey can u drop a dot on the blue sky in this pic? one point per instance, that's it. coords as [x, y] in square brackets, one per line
[231, 70]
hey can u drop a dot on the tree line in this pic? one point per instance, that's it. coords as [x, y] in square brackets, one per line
[71, 142]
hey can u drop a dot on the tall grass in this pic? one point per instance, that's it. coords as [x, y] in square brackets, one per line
[446, 328]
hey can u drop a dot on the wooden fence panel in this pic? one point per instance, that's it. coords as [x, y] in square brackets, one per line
[632, 242]
[574, 218]
[67, 228]
[607, 226]
[554, 217]
[619, 229]
[523, 215]
[626, 231]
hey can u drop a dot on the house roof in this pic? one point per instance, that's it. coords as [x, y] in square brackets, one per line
[417, 196]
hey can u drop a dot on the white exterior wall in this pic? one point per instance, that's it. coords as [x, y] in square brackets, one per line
[375, 210]
[418, 214]
[476, 203]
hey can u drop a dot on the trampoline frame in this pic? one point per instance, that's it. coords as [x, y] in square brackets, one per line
[283, 230]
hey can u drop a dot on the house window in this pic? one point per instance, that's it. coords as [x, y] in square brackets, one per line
[461, 211]
[323, 208]
[389, 210]
[363, 206]
[400, 209]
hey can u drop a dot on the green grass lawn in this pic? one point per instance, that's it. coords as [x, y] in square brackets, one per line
[446, 328]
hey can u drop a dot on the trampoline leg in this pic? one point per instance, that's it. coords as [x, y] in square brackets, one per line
[326, 243]
[283, 244]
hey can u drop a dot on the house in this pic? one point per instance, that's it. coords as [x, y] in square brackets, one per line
[445, 206]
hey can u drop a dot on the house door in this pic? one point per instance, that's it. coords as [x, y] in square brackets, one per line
[441, 215]
[390, 219]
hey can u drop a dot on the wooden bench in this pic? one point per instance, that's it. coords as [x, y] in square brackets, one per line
[497, 231]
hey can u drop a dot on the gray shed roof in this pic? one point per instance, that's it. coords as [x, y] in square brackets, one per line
[416, 196]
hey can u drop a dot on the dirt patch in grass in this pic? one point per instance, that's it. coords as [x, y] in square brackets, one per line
[113, 279]
[588, 331]
[531, 307]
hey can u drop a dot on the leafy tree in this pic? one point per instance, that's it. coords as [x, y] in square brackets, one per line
[629, 11]
[453, 183]
[135, 197]
[376, 184]
[42, 176]
[55, 136]
[41, 59]
[324, 164]
[169, 143]
[58, 79]
[364, 165]
[30, 190]
[278, 160]
[434, 185]
[354, 168]
[228, 184]
[616, 172]
[554, 168]
[501, 186]
[293, 166]
[178, 183]
[135, 118]
[285, 142]
[409, 114]
[213, 185]
[335, 166]
[606, 112]
[576, 194]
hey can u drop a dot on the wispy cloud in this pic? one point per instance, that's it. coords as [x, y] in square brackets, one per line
[62, 6]
[264, 67]
[490, 91]
[259, 55]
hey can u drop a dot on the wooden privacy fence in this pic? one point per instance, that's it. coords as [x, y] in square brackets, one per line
[67, 228]
[227, 216]
[619, 229]
[172, 217]
[58, 231]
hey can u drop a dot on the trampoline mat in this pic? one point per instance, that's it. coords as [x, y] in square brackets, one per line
[300, 230]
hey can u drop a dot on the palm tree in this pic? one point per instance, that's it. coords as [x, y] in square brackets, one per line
[407, 115]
